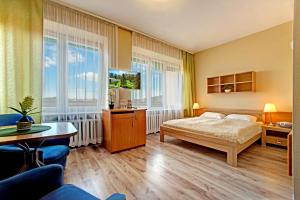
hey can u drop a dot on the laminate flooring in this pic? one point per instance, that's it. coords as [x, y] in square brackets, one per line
[180, 170]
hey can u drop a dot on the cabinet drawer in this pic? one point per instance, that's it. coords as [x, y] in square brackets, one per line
[123, 116]
[276, 140]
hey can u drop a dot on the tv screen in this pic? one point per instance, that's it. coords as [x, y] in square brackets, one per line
[124, 79]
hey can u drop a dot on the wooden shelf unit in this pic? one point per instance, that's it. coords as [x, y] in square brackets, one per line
[239, 82]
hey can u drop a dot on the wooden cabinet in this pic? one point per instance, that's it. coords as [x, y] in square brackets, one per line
[275, 135]
[124, 128]
[239, 82]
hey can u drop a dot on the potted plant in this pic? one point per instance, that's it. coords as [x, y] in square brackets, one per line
[111, 102]
[26, 109]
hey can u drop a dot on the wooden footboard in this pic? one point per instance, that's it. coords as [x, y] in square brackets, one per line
[232, 149]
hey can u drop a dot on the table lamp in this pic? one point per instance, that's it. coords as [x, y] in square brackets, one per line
[196, 106]
[269, 108]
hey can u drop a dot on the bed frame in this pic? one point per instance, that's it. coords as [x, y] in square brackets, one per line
[232, 149]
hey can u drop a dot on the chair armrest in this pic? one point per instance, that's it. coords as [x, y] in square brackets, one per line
[117, 196]
[12, 159]
[12, 149]
[32, 184]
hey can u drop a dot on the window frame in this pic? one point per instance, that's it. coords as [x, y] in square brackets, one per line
[64, 35]
[149, 57]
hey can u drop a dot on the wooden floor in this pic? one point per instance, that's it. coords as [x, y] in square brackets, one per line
[180, 170]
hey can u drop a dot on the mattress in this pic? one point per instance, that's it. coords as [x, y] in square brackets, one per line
[233, 130]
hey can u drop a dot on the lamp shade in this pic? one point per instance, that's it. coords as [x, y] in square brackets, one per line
[270, 107]
[196, 106]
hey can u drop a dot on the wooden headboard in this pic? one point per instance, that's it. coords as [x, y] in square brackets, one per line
[256, 113]
[278, 117]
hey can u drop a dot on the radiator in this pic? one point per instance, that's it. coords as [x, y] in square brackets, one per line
[156, 117]
[89, 132]
[89, 127]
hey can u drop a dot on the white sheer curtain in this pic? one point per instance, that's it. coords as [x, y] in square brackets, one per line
[78, 50]
[161, 80]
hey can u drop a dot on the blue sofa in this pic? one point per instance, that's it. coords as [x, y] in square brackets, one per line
[12, 157]
[45, 183]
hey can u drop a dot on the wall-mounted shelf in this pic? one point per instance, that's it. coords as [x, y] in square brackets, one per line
[239, 82]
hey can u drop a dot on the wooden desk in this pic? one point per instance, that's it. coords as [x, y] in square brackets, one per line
[58, 130]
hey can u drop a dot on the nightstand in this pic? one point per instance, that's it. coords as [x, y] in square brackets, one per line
[274, 135]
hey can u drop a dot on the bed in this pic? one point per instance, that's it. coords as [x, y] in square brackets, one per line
[231, 136]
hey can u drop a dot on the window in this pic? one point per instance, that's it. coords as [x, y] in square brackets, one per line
[157, 88]
[74, 71]
[50, 71]
[139, 97]
[161, 80]
[83, 84]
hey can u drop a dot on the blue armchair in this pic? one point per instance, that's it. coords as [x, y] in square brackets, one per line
[45, 183]
[52, 152]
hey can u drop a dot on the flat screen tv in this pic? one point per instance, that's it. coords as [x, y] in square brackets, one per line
[124, 79]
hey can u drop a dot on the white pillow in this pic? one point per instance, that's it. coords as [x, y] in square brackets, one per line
[212, 115]
[249, 118]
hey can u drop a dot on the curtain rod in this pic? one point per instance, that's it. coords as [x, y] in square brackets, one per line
[117, 24]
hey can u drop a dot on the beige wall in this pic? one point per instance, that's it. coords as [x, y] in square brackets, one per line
[124, 58]
[268, 53]
[124, 49]
[296, 103]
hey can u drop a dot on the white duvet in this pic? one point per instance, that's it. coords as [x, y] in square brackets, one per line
[233, 130]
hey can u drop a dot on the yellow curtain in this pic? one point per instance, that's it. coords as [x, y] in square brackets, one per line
[21, 40]
[188, 83]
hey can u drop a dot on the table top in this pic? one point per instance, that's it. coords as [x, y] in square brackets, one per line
[58, 130]
[123, 110]
[276, 128]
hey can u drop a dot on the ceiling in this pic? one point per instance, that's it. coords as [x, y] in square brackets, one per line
[192, 25]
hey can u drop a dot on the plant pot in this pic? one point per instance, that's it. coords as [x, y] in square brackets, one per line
[111, 106]
[23, 124]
